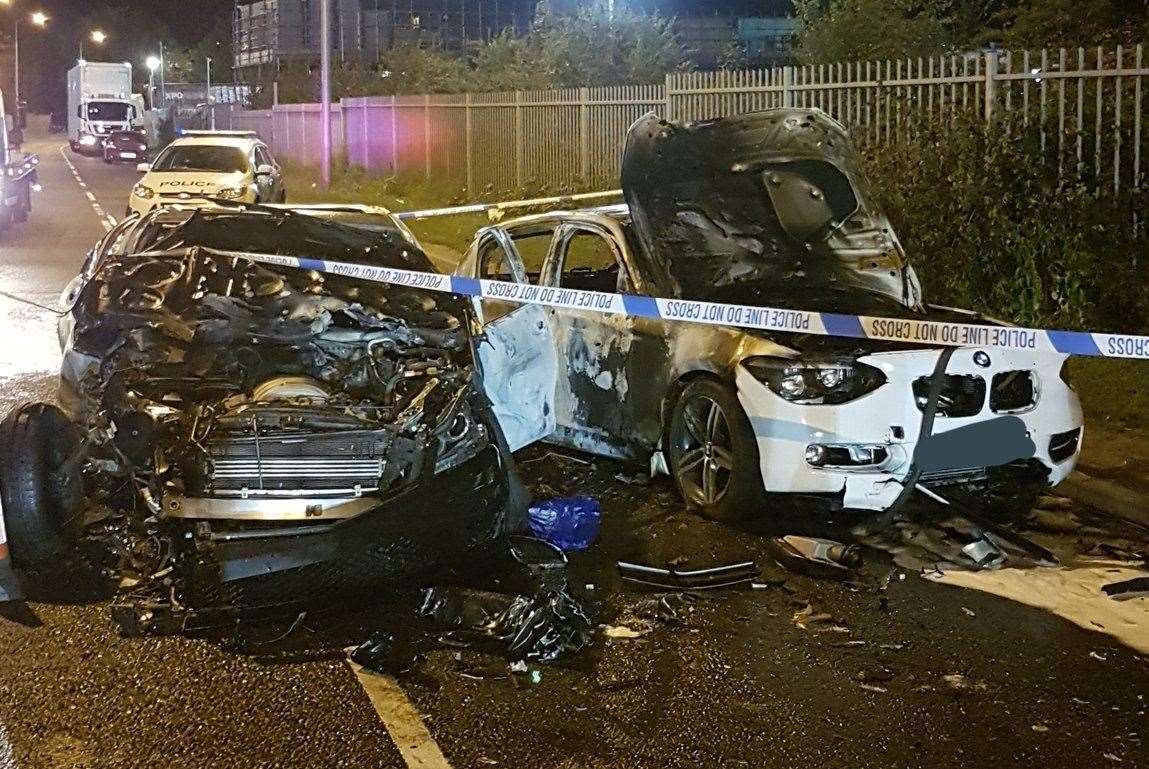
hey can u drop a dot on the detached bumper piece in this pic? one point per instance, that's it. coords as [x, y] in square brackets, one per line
[697, 579]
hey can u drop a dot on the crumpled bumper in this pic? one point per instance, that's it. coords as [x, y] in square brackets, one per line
[450, 519]
[887, 422]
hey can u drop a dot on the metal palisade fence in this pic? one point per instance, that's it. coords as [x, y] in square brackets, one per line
[1087, 106]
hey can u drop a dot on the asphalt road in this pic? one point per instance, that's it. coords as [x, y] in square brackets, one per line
[893, 670]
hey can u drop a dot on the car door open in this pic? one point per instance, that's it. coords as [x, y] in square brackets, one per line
[516, 351]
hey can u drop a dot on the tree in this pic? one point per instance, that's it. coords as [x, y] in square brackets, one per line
[1069, 23]
[509, 63]
[595, 46]
[859, 30]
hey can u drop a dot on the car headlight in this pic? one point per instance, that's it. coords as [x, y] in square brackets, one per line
[88, 140]
[815, 381]
[143, 192]
[231, 193]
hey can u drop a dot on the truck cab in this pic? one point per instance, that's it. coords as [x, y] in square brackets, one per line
[99, 102]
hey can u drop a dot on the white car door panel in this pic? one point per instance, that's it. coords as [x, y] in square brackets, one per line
[520, 367]
[517, 354]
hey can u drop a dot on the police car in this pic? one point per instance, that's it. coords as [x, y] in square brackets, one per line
[232, 165]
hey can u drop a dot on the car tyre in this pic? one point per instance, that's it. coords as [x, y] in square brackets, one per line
[24, 206]
[712, 452]
[41, 491]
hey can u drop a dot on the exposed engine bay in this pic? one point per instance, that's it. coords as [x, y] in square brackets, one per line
[224, 404]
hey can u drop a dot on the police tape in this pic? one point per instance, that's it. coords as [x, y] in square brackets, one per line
[930, 332]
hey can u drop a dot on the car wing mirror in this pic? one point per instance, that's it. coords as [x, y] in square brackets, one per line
[264, 170]
[143, 168]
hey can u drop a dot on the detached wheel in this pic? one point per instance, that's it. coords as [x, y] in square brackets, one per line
[712, 452]
[42, 495]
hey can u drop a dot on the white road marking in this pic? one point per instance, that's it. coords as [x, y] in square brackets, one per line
[107, 221]
[403, 722]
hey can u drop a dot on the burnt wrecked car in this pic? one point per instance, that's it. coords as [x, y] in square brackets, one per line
[766, 209]
[232, 433]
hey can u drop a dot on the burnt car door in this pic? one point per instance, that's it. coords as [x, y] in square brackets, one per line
[516, 351]
[616, 367]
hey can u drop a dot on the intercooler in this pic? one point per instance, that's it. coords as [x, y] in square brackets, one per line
[296, 464]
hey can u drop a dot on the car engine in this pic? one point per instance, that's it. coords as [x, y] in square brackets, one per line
[221, 399]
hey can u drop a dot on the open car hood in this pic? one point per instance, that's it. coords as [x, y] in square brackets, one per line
[768, 205]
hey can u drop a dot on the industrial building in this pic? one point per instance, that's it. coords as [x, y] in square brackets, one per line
[270, 32]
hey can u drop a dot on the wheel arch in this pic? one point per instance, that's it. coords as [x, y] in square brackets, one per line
[679, 383]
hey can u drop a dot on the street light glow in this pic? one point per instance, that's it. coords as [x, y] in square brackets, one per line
[153, 63]
[39, 18]
[98, 36]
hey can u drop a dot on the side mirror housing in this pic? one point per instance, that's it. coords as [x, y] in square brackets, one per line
[264, 170]
[143, 168]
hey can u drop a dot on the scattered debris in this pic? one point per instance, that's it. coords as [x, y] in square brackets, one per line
[874, 688]
[1138, 587]
[543, 626]
[1098, 656]
[669, 609]
[985, 554]
[623, 632]
[960, 684]
[969, 612]
[383, 653]
[636, 479]
[697, 579]
[553, 455]
[806, 616]
[543, 561]
[878, 675]
[570, 523]
[817, 557]
[1040, 728]
[1111, 757]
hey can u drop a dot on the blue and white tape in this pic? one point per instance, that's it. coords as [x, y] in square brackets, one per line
[935, 333]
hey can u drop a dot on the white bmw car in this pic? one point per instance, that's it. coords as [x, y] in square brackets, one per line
[200, 165]
[766, 209]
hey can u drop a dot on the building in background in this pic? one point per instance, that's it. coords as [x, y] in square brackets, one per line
[7, 68]
[267, 33]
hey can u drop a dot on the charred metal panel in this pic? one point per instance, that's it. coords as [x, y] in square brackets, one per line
[770, 199]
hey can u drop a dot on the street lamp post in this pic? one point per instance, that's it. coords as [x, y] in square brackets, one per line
[210, 108]
[39, 18]
[325, 91]
[153, 63]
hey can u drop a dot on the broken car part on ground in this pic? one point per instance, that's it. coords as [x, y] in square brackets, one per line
[762, 209]
[235, 434]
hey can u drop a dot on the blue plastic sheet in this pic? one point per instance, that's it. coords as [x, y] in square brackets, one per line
[570, 523]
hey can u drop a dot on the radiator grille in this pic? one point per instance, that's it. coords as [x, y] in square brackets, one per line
[272, 466]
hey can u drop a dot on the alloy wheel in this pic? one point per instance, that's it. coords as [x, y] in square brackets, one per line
[704, 450]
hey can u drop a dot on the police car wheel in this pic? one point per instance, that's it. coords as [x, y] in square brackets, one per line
[42, 492]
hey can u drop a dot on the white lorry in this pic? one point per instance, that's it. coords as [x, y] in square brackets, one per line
[17, 176]
[99, 102]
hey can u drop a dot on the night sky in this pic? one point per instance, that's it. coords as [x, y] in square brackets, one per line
[134, 29]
